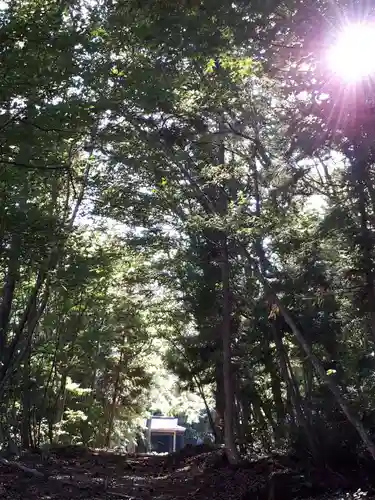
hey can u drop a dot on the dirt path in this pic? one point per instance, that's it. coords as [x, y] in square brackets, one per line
[195, 474]
[99, 476]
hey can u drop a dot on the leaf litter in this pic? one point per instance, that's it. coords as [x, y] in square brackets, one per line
[198, 473]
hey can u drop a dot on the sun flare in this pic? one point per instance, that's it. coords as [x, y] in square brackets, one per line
[352, 57]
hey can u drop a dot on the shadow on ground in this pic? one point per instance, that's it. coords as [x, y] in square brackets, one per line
[194, 473]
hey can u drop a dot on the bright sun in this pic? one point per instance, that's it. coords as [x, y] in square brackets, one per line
[351, 58]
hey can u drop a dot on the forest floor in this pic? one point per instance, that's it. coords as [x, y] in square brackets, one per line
[195, 473]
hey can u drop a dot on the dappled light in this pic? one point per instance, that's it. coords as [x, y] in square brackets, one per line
[187, 250]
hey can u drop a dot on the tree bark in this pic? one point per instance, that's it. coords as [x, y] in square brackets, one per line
[293, 391]
[61, 399]
[112, 408]
[357, 424]
[276, 393]
[26, 403]
[208, 411]
[230, 445]
[8, 293]
[31, 318]
[219, 402]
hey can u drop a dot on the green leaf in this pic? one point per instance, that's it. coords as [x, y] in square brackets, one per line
[210, 67]
[331, 372]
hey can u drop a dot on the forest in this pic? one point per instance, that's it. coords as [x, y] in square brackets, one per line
[187, 228]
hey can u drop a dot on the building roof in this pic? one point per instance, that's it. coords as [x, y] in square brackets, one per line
[165, 424]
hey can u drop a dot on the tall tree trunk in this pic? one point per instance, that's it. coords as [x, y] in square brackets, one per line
[229, 425]
[45, 402]
[246, 435]
[26, 401]
[61, 399]
[276, 392]
[219, 402]
[26, 433]
[208, 411]
[112, 409]
[11, 278]
[31, 319]
[308, 383]
[262, 425]
[294, 392]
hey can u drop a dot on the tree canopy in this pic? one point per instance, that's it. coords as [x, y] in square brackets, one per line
[186, 224]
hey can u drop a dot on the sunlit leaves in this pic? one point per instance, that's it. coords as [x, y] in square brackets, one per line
[211, 66]
[75, 388]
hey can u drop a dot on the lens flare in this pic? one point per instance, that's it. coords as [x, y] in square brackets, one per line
[352, 57]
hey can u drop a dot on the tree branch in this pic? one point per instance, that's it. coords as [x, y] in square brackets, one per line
[29, 166]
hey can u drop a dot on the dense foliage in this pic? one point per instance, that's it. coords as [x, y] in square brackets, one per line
[187, 223]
